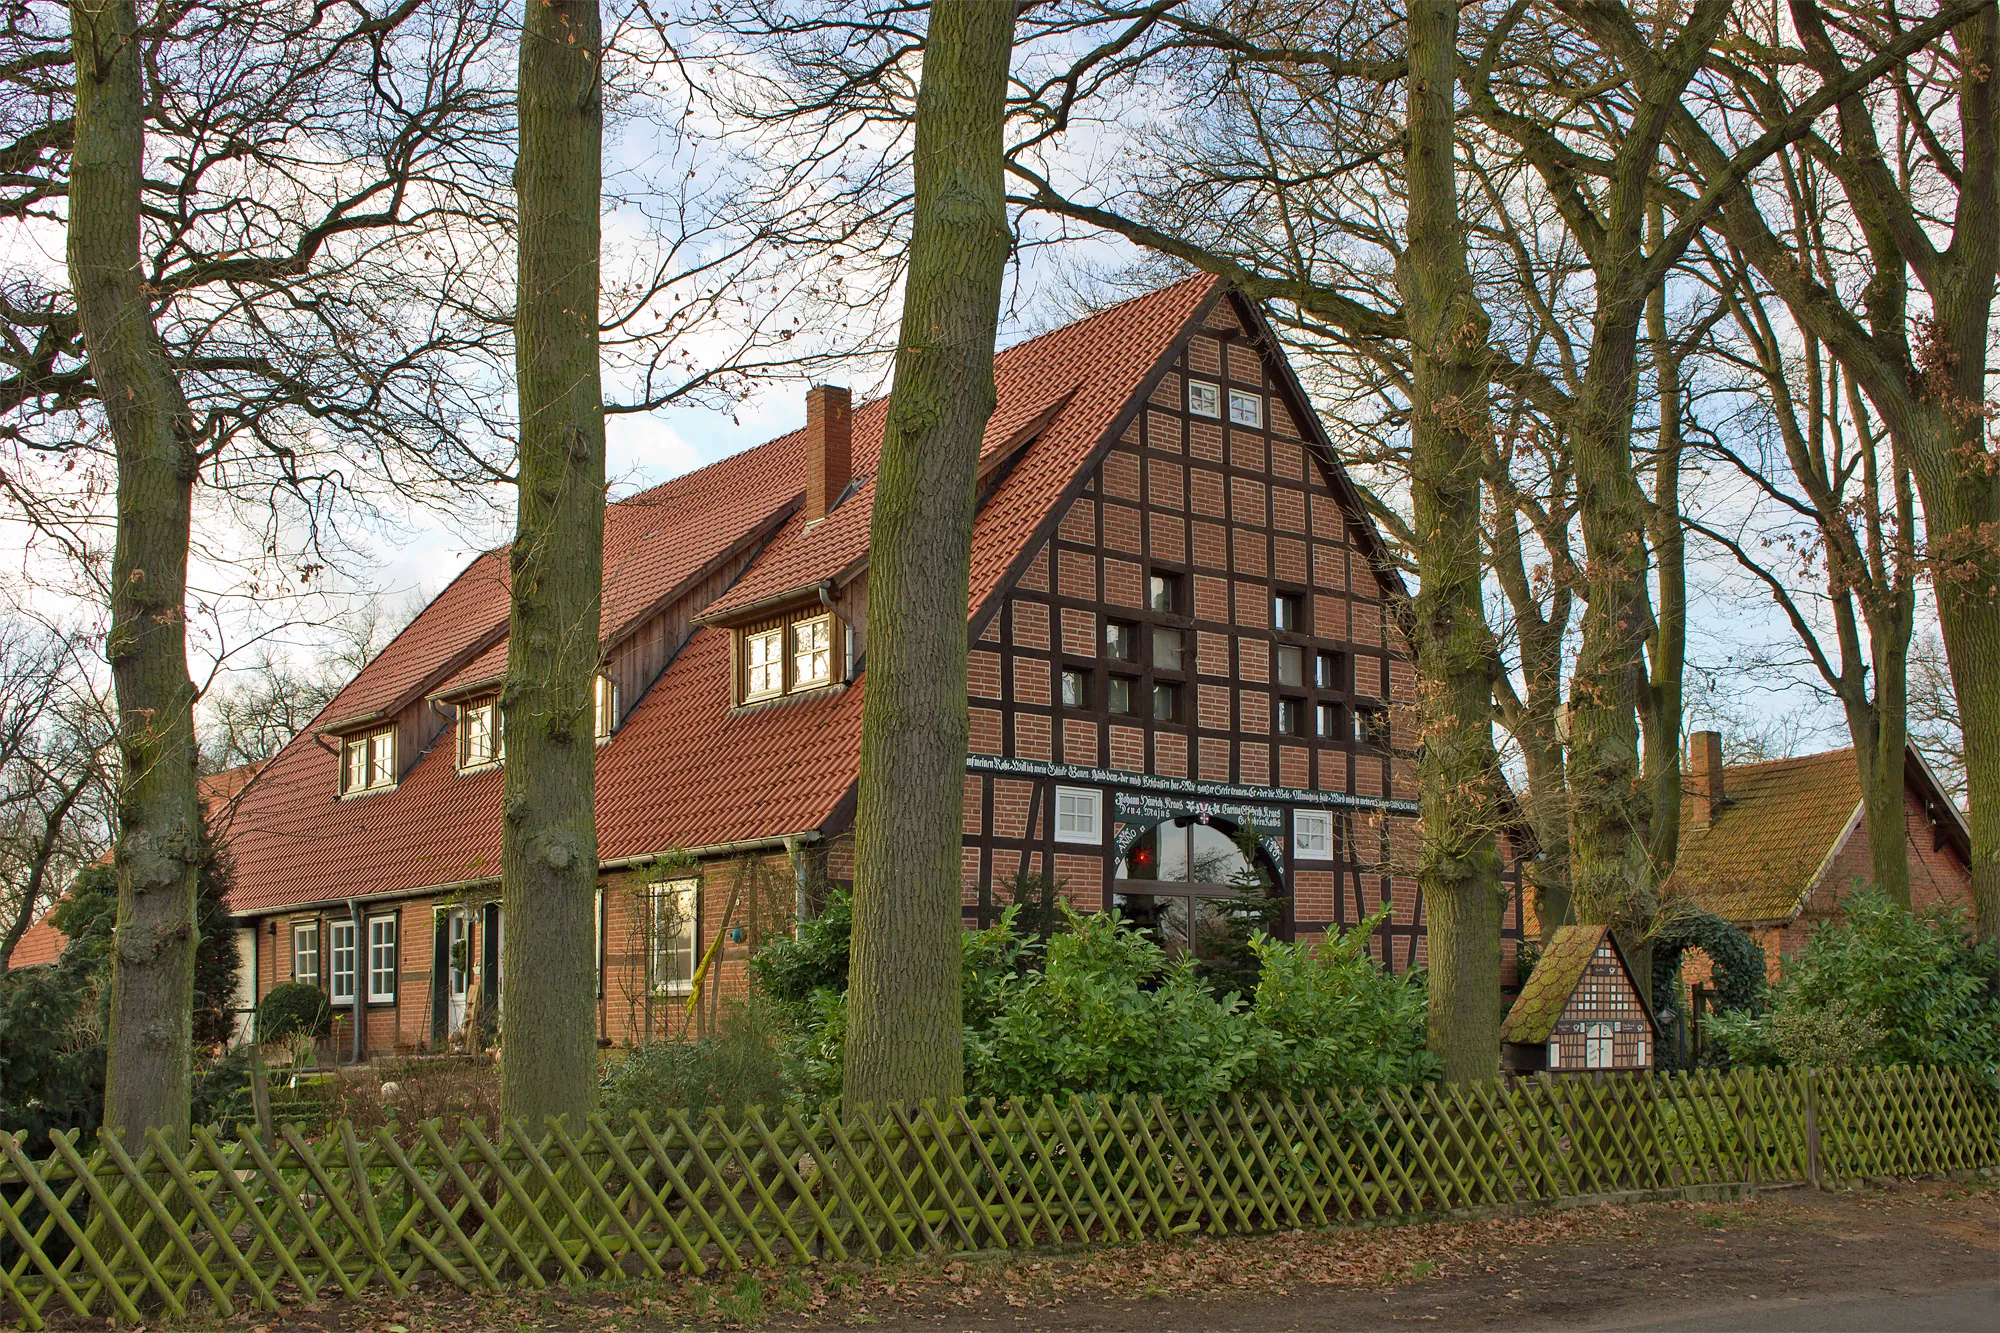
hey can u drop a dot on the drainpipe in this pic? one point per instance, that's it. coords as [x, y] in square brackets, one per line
[360, 979]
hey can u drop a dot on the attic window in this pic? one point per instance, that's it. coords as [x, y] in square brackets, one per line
[1204, 400]
[604, 709]
[1246, 409]
[790, 657]
[479, 742]
[369, 762]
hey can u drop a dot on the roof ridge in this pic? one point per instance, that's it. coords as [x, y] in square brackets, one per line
[1792, 759]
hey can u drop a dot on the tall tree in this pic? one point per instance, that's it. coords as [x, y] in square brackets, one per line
[1458, 869]
[904, 1039]
[548, 855]
[159, 813]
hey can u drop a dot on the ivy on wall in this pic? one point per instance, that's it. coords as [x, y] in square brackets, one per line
[1739, 973]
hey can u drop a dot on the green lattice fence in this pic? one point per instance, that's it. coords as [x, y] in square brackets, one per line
[237, 1223]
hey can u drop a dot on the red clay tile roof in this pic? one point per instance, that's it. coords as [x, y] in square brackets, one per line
[1780, 822]
[683, 769]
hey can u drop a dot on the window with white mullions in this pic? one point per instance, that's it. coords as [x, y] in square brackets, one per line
[381, 959]
[305, 953]
[341, 951]
[764, 664]
[370, 762]
[479, 734]
[673, 936]
[1079, 815]
[812, 653]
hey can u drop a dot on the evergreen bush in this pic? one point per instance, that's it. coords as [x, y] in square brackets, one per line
[293, 1008]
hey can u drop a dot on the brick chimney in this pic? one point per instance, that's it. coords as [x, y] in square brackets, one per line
[829, 448]
[1702, 778]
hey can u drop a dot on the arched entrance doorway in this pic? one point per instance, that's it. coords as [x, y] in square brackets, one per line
[1184, 881]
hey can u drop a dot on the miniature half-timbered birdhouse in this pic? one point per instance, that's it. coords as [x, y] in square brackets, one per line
[1580, 1010]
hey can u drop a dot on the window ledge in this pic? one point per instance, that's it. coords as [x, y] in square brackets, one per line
[357, 794]
[764, 701]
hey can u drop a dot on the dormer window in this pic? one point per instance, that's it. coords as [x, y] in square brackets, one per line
[790, 657]
[812, 653]
[604, 713]
[369, 762]
[479, 741]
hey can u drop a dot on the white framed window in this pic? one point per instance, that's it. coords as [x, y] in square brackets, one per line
[674, 935]
[1204, 400]
[370, 762]
[479, 743]
[604, 708]
[381, 959]
[305, 952]
[341, 956]
[1312, 835]
[812, 653]
[1079, 814]
[1246, 409]
[763, 664]
[1597, 1043]
[1555, 1052]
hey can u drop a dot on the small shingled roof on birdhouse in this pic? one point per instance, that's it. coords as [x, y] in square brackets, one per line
[1580, 1010]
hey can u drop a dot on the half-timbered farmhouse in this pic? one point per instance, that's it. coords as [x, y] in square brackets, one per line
[1181, 681]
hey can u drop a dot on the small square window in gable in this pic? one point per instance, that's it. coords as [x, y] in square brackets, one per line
[1123, 583]
[1167, 393]
[1120, 474]
[1250, 546]
[1076, 575]
[1330, 616]
[1245, 366]
[1079, 632]
[1247, 498]
[1254, 763]
[1170, 754]
[982, 674]
[1204, 355]
[1164, 432]
[1330, 567]
[1079, 525]
[1288, 509]
[1079, 741]
[1214, 757]
[985, 734]
[1169, 534]
[1211, 594]
[1032, 736]
[1030, 623]
[1288, 560]
[1246, 451]
[1031, 681]
[1121, 528]
[1205, 492]
[1253, 605]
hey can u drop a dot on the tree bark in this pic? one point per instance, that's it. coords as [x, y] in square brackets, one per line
[548, 858]
[1666, 653]
[904, 1035]
[1458, 864]
[159, 818]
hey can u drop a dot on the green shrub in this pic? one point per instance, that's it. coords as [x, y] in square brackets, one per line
[740, 1066]
[1883, 986]
[1338, 1018]
[293, 1009]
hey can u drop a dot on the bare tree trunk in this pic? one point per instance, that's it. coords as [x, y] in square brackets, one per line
[159, 819]
[548, 865]
[904, 1035]
[1458, 866]
[1666, 652]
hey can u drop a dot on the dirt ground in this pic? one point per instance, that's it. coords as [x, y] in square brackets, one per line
[1592, 1267]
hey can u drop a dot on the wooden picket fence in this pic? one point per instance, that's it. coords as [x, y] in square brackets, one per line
[136, 1230]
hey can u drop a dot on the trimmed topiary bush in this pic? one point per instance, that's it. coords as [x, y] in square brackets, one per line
[293, 1009]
